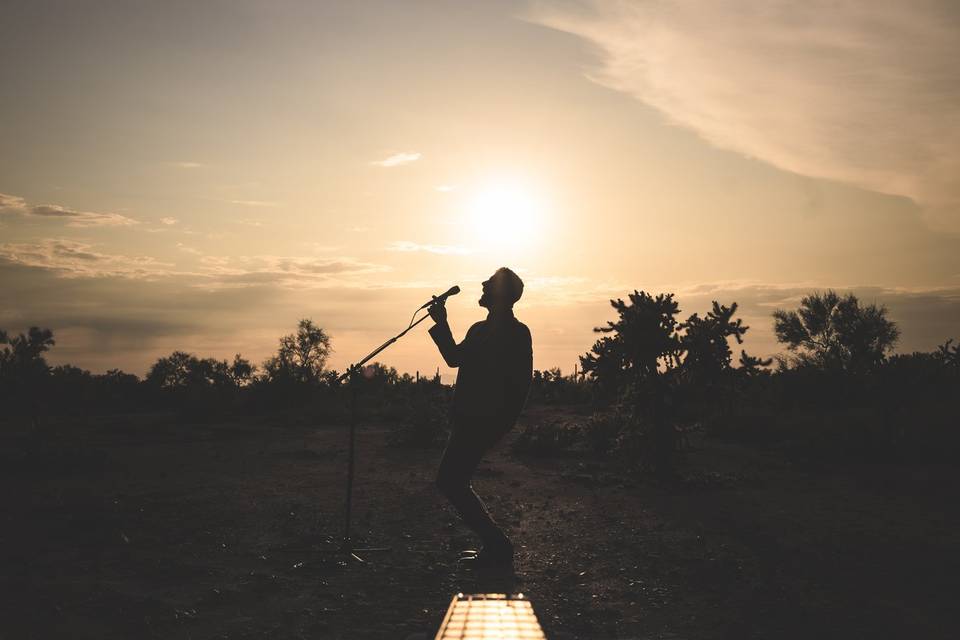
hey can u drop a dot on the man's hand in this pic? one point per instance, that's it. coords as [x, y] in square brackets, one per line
[438, 311]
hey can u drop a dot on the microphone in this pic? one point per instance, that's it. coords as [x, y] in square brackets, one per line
[452, 291]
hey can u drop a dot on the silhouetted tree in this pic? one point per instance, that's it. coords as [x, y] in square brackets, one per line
[655, 364]
[642, 341]
[25, 351]
[705, 345]
[636, 362]
[301, 356]
[23, 369]
[208, 372]
[751, 367]
[181, 370]
[706, 368]
[380, 374]
[241, 371]
[835, 333]
[172, 372]
[949, 355]
[199, 385]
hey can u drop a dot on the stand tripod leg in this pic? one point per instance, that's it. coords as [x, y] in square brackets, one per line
[351, 451]
[351, 374]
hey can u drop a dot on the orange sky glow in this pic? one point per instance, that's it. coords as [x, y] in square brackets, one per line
[200, 176]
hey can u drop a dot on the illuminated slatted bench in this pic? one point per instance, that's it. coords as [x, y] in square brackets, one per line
[488, 616]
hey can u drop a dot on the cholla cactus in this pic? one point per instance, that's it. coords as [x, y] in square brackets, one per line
[949, 355]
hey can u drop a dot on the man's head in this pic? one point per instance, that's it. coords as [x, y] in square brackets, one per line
[502, 289]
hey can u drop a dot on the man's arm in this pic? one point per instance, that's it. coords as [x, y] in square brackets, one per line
[453, 353]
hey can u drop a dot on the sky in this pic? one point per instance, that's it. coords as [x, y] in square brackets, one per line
[201, 175]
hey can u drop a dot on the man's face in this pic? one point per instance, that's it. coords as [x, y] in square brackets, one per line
[491, 291]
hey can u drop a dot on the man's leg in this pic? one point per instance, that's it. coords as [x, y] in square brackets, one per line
[466, 447]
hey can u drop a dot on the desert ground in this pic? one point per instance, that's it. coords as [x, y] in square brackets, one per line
[158, 527]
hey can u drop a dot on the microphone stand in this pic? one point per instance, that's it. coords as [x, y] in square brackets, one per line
[352, 372]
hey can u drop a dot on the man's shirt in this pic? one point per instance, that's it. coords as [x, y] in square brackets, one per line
[495, 363]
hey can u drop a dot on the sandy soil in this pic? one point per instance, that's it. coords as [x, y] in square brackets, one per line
[149, 527]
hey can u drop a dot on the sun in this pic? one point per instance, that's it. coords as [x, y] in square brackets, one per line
[505, 215]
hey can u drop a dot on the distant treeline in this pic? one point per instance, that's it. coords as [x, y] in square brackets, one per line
[649, 378]
[293, 381]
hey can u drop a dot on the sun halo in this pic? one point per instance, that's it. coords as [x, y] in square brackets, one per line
[505, 215]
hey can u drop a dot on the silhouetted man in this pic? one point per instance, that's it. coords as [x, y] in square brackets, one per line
[496, 364]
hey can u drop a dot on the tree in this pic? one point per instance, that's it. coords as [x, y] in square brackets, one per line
[26, 350]
[639, 343]
[636, 362]
[172, 372]
[241, 371]
[209, 372]
[181, 370]
[658, 366]
[835, 333]
[301, 357]
[707, 353]
[23, 369]
[949, 355]
[380, 374]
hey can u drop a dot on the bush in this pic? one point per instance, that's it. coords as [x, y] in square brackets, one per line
[426, 425]
[548, 438]
[602, 431]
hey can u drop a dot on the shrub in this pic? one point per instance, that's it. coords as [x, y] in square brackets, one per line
[602, 431]
[548, 438]
[426, 427]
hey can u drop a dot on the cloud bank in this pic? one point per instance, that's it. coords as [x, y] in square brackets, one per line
[863, 92]
[71, 259]
[17, 206]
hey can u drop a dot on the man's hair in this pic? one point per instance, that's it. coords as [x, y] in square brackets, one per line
[513, 285]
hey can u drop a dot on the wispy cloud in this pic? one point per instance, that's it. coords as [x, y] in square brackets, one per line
[255, 203]
[187, 164]
[72, 259]
[188, 249]
[287, 272]
[168, 221]
[81, 218]
[861, 92]
[397, 159]
[15, 205]
[406, 246]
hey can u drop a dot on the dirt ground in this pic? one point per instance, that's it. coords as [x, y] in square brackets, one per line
[148, 527]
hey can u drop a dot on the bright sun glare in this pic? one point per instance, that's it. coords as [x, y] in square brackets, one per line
[505, 215]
